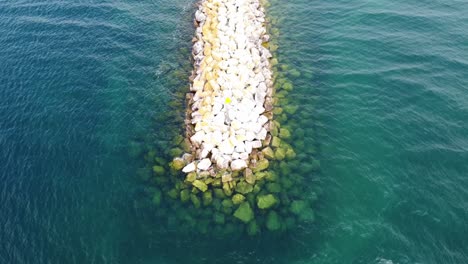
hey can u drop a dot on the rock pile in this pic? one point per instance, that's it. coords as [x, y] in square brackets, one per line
[236, 170]
[230, 99]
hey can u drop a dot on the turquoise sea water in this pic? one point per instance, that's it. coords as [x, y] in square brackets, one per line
[386, 81]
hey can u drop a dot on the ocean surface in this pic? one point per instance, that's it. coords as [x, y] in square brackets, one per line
[386, 80]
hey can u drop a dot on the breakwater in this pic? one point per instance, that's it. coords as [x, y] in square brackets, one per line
[237, 169]
[231, 87]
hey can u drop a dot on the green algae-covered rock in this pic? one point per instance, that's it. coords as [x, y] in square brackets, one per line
[159, 170]
[273, 187]
[273, 221]
[218, 218]
[195, 200]
[257, 188]
[276, 142]
[227, 203]
[244, 212]
[274, 62]
[238, 198]
[280, 154]
[177, 164]
[184, 195]
[160, 161]
[294, 73]
[227, 206]
[227, 189]
[173, 193]
[290, 153]
[297, 207]
[261, 165]
[261, 175]
[185, 145]
[219, 193]
[200, 185]
[288, 86]
[285, 168]
[268, 153]
[161, 181]
[195, 190]
[282, 118]
[177, 139]
[307, 215]
[208, 181]
[217, 204]
[157, 197]
[285, 200]
[216, 183]
[271, 176]
[274, 130]
[191, 177]
[249, 176]
[287, 183]
[252, 228]
[284, 133]
[266, 201]
[299, 133]
[174, 152]
[244, 187]
[277, 111]
[207, 198]
[290, 109]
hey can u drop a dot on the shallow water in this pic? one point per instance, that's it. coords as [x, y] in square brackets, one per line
[386, 82]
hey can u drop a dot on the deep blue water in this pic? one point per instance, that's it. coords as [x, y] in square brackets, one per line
[386, 81]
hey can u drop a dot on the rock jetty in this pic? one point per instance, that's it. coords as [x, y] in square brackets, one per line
[236, 170]
[231, 91]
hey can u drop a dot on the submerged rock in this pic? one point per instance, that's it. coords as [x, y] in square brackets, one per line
[297, 207]
[184, 195]
[273, 222]
[238, 198]
[252, 228]
[261, 165]
[266, 201]
[159, 170]
[268, 152]
[249, 176]
[244, 212]
[244, 187]
[200, 185]
[177, 163]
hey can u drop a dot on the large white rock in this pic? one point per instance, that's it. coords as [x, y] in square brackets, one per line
[226, 147]
[197, 138]
[238, 164]
[199, 16]
[204, 164]
[198, 47]
[189, 168]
